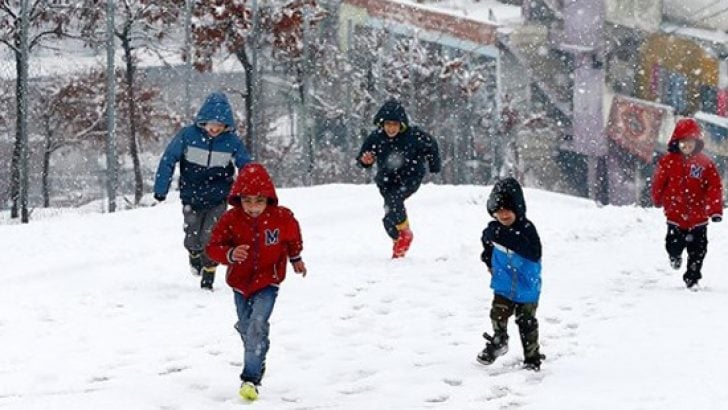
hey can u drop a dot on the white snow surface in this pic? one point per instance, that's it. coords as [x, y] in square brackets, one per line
[98, 311]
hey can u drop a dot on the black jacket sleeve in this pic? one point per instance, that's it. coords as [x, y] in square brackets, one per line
[487, 240]
[370, 144]
[430, 151]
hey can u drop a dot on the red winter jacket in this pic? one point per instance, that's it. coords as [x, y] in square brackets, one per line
[274, 236]
[688, 187]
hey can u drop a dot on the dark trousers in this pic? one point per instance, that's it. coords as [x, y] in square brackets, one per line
[695, 240]
[502, 309]
[198, 226]
[394, 210]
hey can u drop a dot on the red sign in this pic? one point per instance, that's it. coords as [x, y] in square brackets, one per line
[635, 125]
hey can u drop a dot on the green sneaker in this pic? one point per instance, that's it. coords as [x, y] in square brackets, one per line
[248, 391]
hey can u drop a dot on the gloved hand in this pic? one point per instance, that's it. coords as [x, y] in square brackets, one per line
[160, 197]
[716, 218]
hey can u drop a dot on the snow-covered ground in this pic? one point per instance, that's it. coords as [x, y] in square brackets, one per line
[98, 311]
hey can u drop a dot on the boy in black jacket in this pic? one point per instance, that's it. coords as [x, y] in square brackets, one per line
[403, 154]
[512, 252]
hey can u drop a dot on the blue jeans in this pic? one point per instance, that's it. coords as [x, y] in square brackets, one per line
[253, 315]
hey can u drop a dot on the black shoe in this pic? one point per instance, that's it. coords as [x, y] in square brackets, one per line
[208, 277]
[676, 262]
[690, 282]
[497, 346]
[691, 278]
[195, 263]
[533, 363]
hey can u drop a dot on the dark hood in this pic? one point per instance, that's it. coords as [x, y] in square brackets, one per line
[507, 193]
[392, 110]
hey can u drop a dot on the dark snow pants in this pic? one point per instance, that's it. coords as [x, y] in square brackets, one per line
[696, 242]
[198, 226]
[502, 309]
[394, 210]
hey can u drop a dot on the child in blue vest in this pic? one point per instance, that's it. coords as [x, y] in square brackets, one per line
[208, 153]
[512, 252]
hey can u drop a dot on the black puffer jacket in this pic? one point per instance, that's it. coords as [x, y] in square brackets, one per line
[521, 237]
[405, 158]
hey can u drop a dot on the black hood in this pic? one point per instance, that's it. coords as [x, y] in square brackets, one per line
[392, 110]
[507, 193]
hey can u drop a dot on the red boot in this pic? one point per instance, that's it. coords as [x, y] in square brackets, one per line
[402, 244]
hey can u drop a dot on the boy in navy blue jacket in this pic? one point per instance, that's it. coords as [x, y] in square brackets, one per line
[512, 252]
[208, 152]
[403, 154]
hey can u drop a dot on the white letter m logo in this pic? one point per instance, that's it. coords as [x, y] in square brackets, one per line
[271, 237]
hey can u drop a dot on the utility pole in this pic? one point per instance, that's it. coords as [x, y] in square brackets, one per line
[23, 109]
[188, 54]
[255, 89]
[306, 98]
[112, 174]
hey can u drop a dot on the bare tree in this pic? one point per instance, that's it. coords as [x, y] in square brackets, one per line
[72, 112]
[228, 25]
[68, 112]
[140, 24]
[45, 22]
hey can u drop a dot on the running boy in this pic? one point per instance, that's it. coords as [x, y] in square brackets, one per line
[208, 152]
[256, 238]
[403, 154]
[687, 185]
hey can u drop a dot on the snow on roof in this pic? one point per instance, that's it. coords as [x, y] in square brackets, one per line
[69, 62]
[707, 13]
[486, 11]
[711, 36]
[712, 119]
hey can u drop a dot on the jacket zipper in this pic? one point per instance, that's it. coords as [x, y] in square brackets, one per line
[256, 246]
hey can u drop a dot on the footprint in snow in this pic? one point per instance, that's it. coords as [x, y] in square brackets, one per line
[452, 382]
[438, 399]
[355, 390]
[172, 370]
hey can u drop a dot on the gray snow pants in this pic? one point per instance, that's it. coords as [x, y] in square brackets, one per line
[198, 226]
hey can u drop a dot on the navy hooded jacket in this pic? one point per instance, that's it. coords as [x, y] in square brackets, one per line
[206, 163]
[512, 253]
[404, 159]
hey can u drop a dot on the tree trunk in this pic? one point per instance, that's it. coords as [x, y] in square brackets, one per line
[242, 56]
[131, 101]
[47, 150]
[17, 147]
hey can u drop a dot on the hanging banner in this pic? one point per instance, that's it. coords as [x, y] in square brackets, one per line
[635, 125]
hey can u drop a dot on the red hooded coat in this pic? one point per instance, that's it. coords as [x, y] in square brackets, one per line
[274, 236]
[688, 187]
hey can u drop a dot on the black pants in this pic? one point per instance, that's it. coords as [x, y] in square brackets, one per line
[503, 309]
[394, 210]
[696, 242]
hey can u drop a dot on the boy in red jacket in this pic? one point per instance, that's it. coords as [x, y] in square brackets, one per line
[255, 238]
[687, 184]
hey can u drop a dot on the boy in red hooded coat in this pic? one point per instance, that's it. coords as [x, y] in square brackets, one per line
[687, 185]
[256, 238]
